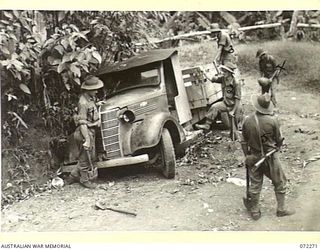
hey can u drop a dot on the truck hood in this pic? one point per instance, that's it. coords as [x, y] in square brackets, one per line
[130, 97]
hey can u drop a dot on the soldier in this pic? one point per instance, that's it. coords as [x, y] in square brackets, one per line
[86, 120]
[225, 47]
[261, 134]
[267, 67]
[231, 91]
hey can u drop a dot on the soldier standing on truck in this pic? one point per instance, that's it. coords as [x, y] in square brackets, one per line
[225, 47]
[87, 120]
[231, 91]
[267, 67]
[260, 135]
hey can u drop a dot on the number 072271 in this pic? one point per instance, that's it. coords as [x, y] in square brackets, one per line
[308, 246]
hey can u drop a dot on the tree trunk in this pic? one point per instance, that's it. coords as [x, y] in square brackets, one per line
[293, 26]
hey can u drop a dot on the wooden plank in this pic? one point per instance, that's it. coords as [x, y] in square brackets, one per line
[307, 25]
[190, 70]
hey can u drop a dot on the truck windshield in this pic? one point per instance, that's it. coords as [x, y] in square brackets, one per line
[132, 78]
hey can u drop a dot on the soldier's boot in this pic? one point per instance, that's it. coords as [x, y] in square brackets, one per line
[254, 206]
[73, 177]
[205, 126]
[281, 210]
[85, 181]
[88, 184]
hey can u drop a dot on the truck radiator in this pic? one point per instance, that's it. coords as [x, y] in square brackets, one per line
[110, 133]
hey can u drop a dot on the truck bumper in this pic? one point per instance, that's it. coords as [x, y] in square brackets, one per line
[124, 161]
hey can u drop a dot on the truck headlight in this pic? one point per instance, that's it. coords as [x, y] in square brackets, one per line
[127, 116]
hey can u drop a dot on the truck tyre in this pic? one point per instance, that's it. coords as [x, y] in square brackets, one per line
[168, 158]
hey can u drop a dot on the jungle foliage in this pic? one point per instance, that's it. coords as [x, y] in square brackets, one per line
[45, 55]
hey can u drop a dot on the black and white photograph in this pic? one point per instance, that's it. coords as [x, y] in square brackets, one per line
[160, 120]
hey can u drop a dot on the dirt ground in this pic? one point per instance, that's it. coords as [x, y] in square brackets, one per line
[200, 198]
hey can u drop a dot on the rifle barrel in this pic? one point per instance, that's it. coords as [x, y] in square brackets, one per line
[258, 163]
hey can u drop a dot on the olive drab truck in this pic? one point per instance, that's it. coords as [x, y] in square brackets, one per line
[149, 110]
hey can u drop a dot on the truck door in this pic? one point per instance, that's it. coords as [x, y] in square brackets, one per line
[181, 99]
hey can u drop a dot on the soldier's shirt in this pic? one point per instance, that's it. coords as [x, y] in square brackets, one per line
[87, 109]
[269, 131]
[231, 89]
[267, 65]
[225, 41]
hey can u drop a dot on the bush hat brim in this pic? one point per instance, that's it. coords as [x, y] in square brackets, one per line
[92, 83]
[259, 108]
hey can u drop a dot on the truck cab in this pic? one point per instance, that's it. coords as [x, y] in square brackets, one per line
[149, 109]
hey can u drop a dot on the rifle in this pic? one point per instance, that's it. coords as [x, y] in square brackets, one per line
[93, 172]
[216, 67]
[258, 163]
[102, 205]
[233, 127]
[278, 71]
[247, 199]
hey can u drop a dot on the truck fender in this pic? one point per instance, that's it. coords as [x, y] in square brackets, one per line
[147, 133]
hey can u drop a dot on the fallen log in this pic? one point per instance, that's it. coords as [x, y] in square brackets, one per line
[261, 26]
[307, 25]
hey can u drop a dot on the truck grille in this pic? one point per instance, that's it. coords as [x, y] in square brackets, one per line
[110, 133]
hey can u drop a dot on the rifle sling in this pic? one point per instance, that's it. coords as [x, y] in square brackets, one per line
[259, 134]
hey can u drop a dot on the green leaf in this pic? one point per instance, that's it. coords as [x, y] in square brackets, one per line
[82, 35]
[66, 58]
[72, 56]
[19, 118]
[85, 68]
[67, 85]
[75, 70]
[75, 28]
[17, 25]
[48, 42]
[8, 15]
[50, 60]
[80, 57]
[13, 37]
[61, 15]
[17, 75]
[77, 80]
[61, 67]
[5, 50]
[4, 22]
[16, 13]
[5, 62]
[10, 97]
[24, 88]
[25, 24]
[65, 43]
[17, 64]
[60, 49]
[72, 43]
[97, 56]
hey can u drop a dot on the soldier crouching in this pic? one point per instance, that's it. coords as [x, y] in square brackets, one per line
[231, 91]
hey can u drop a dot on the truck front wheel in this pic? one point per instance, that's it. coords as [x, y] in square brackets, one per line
[168, 158]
